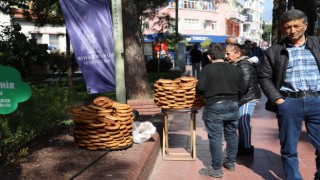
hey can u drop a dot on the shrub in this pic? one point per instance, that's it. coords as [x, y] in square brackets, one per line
[45, 110]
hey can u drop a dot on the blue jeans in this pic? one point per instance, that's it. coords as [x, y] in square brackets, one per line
[246, 111]
[222, 118]
[290, 115]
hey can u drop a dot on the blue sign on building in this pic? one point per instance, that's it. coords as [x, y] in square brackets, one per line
[190, 38]
[201, 38]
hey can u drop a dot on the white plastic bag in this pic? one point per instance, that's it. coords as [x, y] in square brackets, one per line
[143, 132]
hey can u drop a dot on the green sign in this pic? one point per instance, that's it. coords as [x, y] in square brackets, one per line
[12, 89]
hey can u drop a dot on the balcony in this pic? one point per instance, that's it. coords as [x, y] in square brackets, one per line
[236, 16]
[247, 5]
[240, 2]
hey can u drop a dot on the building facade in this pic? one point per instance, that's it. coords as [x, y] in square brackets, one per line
[198, 20]
[213, 19]
[53, 37]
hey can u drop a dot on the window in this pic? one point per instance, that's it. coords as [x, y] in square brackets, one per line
[206, 5]
[54, 41]
[172, 26]
[37, 38]
[214, 25]
[245, 28]
[228, 29]
[191, 24]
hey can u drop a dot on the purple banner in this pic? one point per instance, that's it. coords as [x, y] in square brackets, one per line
[89, 26]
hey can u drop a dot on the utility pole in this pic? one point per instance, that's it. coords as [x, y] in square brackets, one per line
[118, 51]
[177, 18]
[177, 32]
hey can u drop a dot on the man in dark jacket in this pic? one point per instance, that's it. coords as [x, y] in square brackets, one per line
[290, 78]
[195, 54]
[222, 85]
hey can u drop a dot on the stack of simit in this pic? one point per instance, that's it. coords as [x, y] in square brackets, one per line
[102, 125]
[179, 93]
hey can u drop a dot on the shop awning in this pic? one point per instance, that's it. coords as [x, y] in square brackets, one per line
[190, 38]
[201, 38]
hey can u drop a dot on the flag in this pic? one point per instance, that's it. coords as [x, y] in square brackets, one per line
[89, 26]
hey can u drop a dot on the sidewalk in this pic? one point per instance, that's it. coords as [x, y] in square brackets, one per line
[266, 163]
[57, 157]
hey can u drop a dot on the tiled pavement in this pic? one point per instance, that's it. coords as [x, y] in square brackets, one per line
[265, 164]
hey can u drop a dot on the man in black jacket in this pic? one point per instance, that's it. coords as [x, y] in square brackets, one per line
[196, 55]
[222, 85]
[290, 78]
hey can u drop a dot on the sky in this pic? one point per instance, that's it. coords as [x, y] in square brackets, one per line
[267, 12]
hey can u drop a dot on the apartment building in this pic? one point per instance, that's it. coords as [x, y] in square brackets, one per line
[252, 27]
[197, 21]
[213, 19]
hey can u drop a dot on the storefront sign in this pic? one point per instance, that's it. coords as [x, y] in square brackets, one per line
[12, 90]
[201, 38]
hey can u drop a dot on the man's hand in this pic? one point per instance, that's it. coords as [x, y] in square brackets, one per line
[279, 101]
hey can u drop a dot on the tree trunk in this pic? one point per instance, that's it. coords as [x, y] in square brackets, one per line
[310, 9]
[70, 79]
[136, 77]
[279, 7]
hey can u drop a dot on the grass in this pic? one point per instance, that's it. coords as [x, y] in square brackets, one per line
[47, 109]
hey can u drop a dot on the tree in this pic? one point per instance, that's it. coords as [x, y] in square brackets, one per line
[266, 32]
[136, 77]
[279, 7]
[41, 12]
[18, 52]
[137, 84]
[205, 43]
[49, 12]
[310, 9]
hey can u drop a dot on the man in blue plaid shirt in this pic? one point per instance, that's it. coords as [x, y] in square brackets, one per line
[290, 78]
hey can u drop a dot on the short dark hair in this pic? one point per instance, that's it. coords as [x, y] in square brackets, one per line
[216, 51]
[247, 40]
[292, 15]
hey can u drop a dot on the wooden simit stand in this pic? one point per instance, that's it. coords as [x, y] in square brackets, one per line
[165, 140]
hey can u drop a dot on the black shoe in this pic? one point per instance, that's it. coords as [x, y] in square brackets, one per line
[316, 176]
[245, 151]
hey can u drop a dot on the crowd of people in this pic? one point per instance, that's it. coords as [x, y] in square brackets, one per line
[198, 59]
[231, 78]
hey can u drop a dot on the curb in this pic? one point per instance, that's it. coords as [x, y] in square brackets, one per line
[145, 159]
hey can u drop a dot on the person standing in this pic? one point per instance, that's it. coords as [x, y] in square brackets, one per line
[204, 59]
[196, 55]
[257, 51]
[236, 56]
[247, 47]
[231, 40]
[290, 79]
[222, 85]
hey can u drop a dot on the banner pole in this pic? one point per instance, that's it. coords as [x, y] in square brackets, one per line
[118, 51]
